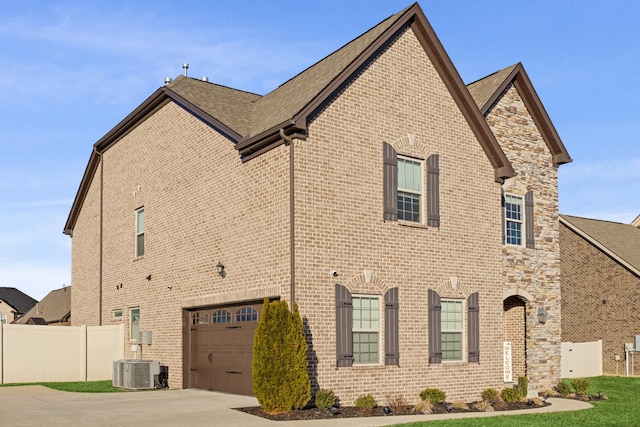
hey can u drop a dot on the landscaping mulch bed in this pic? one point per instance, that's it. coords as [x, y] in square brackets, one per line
[314, 413]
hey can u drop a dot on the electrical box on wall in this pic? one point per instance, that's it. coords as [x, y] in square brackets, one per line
[628, 346]
[616, 357]
[149, 337]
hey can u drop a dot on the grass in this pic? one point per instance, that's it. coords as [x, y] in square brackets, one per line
[620, 410]
[78, 387]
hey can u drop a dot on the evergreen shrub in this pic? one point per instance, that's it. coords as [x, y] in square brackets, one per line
[279, 367]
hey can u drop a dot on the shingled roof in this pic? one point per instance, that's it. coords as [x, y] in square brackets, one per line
[17, 299]
[256, 124]
[54, 308]
[487, 91]
[619, 241]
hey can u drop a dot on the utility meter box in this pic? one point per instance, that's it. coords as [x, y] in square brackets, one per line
[628, 346]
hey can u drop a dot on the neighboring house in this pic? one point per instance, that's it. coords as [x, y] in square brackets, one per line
[13, 304]
[416, 226]
[54, 309]
[601, 285]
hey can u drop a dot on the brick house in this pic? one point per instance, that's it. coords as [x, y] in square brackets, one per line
[13, 304]
[367, 189]
[600, 280]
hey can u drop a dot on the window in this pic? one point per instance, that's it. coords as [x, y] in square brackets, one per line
[409, 189]
[117, 314]
[140, 232]
[513, 216]
[199, 318]
[366, 329]
[3, 318]
[451, 329]
[221, 316]
[358, 328]
[403, 194]
[247, 314]
[445, 326]
[135, 323]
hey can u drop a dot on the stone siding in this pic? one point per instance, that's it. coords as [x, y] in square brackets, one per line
[535, 272]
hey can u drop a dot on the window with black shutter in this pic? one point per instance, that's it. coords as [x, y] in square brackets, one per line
[433, 190]
[390, 177]
[391, 329]
[344, 319]
[528, 218]
[473, 327]
[435, 348]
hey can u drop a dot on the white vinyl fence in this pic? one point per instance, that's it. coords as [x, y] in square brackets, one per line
[31, 353]
[581, 359]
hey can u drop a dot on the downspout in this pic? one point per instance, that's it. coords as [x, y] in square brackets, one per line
[292, 231]
[100, 246]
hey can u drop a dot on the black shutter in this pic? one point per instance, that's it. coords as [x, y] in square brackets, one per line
[391, 338]
[435, 339]
[344, 323]
[390, 177]
[473, 327]
[433, 191]
[504, 225]
[528, 219]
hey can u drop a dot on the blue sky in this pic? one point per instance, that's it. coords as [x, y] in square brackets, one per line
[71, 70]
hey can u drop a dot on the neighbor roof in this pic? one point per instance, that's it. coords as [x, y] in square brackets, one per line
[487, 91]
[257, 124]
[619, 241]
[20, 301]
[54, 308]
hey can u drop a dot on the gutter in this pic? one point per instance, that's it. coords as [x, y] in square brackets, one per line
[100, 245]
[292, 231]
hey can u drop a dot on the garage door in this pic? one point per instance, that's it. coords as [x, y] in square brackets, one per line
[222, 348]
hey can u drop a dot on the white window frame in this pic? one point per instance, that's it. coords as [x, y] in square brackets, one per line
[134, 336]
[520, 221]
[378, 330]
[449, 330]
[117, 314]
[140, 249]
[420, 194]
[4, 318]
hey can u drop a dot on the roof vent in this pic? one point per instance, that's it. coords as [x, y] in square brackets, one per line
[185, 67]
[205, 79]
[167, 80]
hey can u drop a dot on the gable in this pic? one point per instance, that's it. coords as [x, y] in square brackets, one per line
[618, 241]
[487, 92]
[258, 124]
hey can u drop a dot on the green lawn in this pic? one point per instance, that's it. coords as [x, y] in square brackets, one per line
[82, 386]
[622, 409]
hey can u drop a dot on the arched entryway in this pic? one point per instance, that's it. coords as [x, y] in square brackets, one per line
[515, 327]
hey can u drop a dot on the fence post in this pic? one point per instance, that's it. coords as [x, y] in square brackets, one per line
[83, 348]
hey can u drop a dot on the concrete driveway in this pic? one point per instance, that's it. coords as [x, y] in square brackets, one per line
[41, 406]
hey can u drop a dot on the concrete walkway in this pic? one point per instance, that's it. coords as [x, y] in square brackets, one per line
[41, 406]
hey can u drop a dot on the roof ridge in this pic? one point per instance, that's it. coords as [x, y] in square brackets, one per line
[181, 77]
[595, 219]
[510, 67]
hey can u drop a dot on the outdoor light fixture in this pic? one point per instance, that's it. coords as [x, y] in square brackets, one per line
[220, 269]
[542, 315]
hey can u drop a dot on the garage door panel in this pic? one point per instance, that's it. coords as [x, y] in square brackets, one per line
[222, 353]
